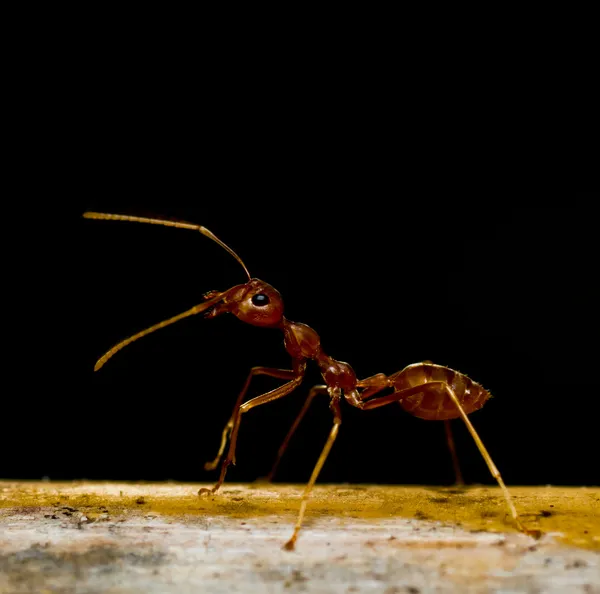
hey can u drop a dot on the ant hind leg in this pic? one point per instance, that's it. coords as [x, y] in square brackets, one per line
[493, 469]
[401, 394]
[459, 481]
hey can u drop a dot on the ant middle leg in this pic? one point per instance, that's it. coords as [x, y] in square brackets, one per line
[337, 421]
[322, 389]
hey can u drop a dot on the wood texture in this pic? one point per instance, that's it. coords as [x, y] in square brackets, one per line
[106, 537]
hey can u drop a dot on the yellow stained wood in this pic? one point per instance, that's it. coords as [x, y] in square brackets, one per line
[572, 514]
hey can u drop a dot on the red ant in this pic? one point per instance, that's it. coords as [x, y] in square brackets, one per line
[426, 390]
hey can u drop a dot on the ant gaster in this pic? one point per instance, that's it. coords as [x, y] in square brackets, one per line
[425, 390]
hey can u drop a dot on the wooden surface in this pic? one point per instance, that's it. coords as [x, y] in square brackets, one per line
[106, 537]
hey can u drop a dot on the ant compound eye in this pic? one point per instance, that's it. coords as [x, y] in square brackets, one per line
[258, 304]
[260, 299]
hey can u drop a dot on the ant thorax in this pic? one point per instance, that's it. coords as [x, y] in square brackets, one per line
[302, 342]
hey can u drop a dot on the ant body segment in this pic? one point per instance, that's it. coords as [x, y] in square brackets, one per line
[425, 390]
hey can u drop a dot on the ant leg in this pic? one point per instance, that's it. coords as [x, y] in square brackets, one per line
[337, 420]
[224, 437]
[393, 397]
[452, 448]
[373, 385]
[237, 417]
[400, 394]
[313, 392]
[488, 460]
[287, 374]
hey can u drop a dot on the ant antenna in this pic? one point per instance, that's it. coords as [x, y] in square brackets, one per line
[190, 312]
[178, 224]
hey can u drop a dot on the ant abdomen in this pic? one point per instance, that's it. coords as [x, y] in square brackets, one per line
[433, 403]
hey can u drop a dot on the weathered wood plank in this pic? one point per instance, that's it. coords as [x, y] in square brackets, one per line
[90, 537]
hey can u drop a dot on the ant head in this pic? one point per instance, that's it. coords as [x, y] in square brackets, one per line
[254, 302]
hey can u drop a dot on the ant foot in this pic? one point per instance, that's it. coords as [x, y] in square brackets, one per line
[533, 532]
[290, 545]
[205, 491]
[537, 534]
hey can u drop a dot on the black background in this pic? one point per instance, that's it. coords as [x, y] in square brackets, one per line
[502, 292]
[402, 224]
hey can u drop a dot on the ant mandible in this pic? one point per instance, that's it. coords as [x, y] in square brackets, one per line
[425, 390]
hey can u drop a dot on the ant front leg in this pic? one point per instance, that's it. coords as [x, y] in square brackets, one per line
[239, 410]
[286, 374]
